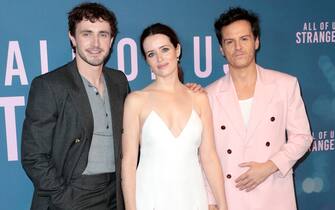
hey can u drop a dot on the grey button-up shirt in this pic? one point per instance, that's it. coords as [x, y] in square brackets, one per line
[101, 154]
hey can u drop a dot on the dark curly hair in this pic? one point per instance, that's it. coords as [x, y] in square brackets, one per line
[234, 14]
[91, 12]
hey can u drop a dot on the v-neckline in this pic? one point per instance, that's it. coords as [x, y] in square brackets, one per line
[168, 129]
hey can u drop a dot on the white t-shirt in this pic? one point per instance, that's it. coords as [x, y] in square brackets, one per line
[245, 106]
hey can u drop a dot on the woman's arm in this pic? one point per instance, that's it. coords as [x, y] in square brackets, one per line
[130, 145]
[208, 156]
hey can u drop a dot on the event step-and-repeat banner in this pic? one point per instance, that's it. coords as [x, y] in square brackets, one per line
[297, 37]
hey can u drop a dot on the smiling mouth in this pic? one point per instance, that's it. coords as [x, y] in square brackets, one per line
[94, 51]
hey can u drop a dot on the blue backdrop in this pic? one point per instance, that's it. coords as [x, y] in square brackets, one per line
[298, 37]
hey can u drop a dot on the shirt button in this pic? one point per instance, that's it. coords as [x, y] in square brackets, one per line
[107, 126]
[76, 141]
[223, 127]
[228, 176]
[272, 119]
[267, 144]
[229, 151]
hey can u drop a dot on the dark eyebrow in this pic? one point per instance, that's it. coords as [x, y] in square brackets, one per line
[148, 51]
[90, 31]
[107, 32]
[163, 46]
[248, 35]
[85, 31]
[243, 36]
[227, 39]
[158, 48]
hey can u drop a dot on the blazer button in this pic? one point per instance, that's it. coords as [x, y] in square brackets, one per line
[228, 176]
[229, 151]
[76, 141]
[223, 127]
[272, 119]
[267, 144]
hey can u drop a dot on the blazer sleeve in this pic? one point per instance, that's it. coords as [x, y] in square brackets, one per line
[37, 138]
[298, 131]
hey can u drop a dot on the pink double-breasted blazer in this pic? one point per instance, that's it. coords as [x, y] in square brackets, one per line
[278, 130]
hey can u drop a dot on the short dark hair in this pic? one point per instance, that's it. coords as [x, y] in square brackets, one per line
[234, 14]
[159, 28]
[91, 12]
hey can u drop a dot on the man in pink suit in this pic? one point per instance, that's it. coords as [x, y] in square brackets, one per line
[260, 123]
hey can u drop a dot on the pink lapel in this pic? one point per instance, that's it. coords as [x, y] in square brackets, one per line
[228, 100]
[264, 92]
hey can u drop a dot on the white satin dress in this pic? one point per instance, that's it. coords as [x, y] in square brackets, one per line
[169, 176]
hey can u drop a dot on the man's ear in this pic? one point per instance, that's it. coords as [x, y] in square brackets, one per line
[72, 39]
[222, 52]
[257, 43]
[112, 40]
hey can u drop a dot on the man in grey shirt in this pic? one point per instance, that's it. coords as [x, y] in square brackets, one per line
[101, 155]
[73, 125]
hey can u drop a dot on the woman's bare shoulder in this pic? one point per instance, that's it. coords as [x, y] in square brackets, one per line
[136, 99]
[200, 101]
[200, 97]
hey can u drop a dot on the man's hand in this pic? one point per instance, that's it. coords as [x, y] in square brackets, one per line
[212, 207]
[257, 173]
[195, 87]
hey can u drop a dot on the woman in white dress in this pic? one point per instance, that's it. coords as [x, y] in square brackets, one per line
[173, 128]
